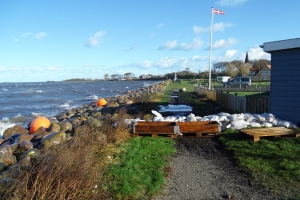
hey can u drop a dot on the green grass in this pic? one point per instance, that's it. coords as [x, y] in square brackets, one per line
[185, 83]
[252, 94]
[275, 163]
[140, 170]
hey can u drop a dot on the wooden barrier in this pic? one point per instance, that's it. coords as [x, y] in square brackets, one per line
[176, 129]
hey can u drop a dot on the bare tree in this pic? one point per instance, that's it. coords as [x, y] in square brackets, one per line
[244, 69]
[106, 76]
[231, 70]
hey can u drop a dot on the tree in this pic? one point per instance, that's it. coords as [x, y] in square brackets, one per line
[127, 75]
[231, 70]
[106, 76]
[261, 63]
[244, 69]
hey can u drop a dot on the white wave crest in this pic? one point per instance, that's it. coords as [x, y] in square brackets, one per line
[34, 91]
[4, 89]
[89, 98]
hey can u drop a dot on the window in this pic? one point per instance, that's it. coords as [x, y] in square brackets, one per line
[263, 73]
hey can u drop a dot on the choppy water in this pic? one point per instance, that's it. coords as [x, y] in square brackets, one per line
[22, 102]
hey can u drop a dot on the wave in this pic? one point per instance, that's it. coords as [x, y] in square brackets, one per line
[65, 105]
[89, 98]
[4, 89]
[34, 91]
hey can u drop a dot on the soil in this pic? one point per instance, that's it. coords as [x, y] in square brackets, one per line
[202, 169]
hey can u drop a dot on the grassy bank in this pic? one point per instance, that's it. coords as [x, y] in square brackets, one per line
[275, 163]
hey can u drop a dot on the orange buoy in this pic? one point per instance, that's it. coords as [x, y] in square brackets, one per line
[38, 122]
[101, 102]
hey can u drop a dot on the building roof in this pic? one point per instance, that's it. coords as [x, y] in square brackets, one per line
[281, 45]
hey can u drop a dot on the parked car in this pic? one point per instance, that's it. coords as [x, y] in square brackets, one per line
[241, 81]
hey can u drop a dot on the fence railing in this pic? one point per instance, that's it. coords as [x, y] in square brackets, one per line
[236, 103]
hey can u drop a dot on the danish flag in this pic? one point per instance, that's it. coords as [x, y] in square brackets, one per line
[219, 12]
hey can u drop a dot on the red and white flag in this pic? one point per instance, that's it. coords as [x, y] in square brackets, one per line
[219, 12]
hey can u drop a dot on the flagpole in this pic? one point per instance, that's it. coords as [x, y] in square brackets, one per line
[211, 25]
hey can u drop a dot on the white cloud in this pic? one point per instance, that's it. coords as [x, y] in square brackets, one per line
[256, 53]
[216, 27]
[131, 48]
[95, 39]
[3, 69]
[16, 39]
[52, 68]
[26, 34]
[159, 26]
[40, 35]
[223, 43]
[146, 63]
[230, 2]
[172, 45]
[230, 53]
[166, 62]
[199, 58]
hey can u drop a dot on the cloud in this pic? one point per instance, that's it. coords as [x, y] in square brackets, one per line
[40, 35]
[166, 62]
[26, 34]
[223, 43]
[256, 53]
[3, 69]
[230, 53]
[159, 26]
[199, 58]
[131, 48]
[95, 39]
[151, 34]
[231, 3]
[146, 63]
[172, 45]
[52, 68]
[221, 26]
[16, 39]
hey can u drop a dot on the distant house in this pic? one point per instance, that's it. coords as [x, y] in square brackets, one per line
[260, 75]
[285, 82]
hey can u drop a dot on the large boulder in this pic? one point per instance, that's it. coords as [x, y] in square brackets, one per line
[53, 139]
[14, 130]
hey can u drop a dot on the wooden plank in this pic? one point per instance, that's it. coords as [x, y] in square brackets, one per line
[198, 127]
[276, 132]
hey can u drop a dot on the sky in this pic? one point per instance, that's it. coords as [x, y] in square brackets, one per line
[55, 40]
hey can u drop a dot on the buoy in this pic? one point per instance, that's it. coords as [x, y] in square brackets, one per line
[101, 102]
[38, 122]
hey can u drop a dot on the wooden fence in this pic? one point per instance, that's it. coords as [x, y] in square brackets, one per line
[235, 103]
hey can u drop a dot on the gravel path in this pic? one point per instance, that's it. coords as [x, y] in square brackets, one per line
[201, 170]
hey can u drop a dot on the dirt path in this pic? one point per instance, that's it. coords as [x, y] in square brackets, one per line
[201, 170]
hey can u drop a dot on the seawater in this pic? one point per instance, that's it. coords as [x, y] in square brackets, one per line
[20, 103]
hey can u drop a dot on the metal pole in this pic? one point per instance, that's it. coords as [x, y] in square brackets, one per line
[211, 26]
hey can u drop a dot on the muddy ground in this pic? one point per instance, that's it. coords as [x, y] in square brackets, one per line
[202, 169]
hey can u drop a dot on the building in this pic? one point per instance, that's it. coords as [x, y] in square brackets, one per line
[260, 75]
[285, 82]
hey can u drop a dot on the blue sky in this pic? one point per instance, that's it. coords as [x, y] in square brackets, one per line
[54, 40]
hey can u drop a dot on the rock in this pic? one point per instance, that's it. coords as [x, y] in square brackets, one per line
[93, 122]
[24, 137]
[8, 159]
[53, 139]
[54, 127]
[113, 104]
[2, 166]
[66, 126]
[11, 140]
[14, 130]
[25, 145]
[27, 156]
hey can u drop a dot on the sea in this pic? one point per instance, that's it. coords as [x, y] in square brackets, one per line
[20, 103]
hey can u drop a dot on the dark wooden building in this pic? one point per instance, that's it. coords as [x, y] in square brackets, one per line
[285, 78]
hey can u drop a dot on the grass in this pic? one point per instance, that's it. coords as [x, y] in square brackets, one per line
[252, 94]
[140, 170]
[275, 163]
